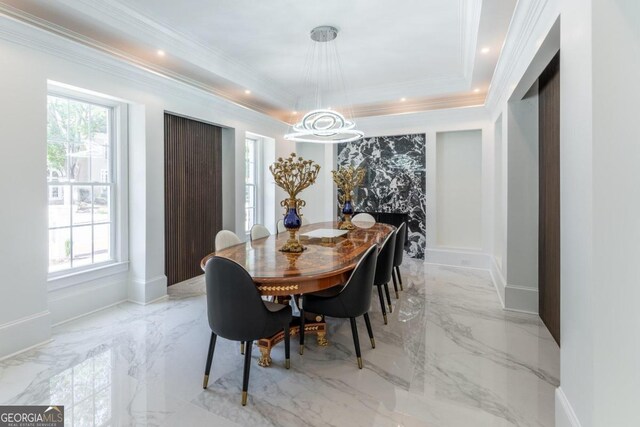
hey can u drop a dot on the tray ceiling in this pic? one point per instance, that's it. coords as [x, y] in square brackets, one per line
[401, 56]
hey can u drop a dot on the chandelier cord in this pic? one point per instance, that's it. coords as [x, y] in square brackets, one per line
[324, 75]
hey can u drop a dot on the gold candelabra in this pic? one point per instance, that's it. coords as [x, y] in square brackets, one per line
[293, 175]
[347, 179]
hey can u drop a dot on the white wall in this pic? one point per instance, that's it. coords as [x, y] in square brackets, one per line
[29, 58]
[321, 197]
[23, 225]
[499, 207]
[521, 261]
[577, 316]
[459, 189]
[600, 207]
[616, 211]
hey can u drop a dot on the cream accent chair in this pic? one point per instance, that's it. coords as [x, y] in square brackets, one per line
[259, 231]
[363, 217]
[226, 238]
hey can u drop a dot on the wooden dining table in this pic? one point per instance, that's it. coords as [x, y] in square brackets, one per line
[323, 264]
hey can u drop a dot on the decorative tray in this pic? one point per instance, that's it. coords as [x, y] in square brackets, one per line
[325, 235]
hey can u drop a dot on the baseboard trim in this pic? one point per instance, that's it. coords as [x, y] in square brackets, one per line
[565, 415]
[512, 297]
[520, 299]
[24, 350]
[162, 298]
[498, 280]
[80, 300]
[458, 258]
[146, 291]
[25, 333]
[70, 319]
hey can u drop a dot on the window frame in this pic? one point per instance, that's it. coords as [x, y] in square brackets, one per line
[118, 191]
[257, 171]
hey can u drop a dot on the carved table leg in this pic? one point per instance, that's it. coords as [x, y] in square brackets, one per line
[315, 325]
[321, 338]
[265, 357]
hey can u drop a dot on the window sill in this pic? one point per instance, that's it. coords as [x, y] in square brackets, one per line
[83, 276]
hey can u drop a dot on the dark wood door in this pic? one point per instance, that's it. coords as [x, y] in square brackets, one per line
[193, 194]
[549, 215]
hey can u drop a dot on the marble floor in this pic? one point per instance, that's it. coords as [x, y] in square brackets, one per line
[450, 356]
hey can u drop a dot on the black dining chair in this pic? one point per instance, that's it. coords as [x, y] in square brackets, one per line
[401, 234]
[349, 301]
[236, 312]
[384, 267]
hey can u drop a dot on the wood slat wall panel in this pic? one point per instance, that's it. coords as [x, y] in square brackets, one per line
[549, 210]
[193, 194]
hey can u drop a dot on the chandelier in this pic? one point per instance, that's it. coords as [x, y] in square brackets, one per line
[323, 76]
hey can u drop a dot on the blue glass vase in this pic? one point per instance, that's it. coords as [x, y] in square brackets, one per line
[291, 220]
[292, 223]
[347, 211]
[347, 208]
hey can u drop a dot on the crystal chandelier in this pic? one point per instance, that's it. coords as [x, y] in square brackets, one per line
[323, 73]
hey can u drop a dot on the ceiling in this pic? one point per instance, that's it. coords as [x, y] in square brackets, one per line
[397, 57]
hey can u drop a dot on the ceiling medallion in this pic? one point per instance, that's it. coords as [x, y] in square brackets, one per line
[323, 73]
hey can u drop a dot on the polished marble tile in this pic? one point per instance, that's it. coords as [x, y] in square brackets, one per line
[450, 356]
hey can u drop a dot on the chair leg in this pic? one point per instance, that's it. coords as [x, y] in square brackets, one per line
[356, 341]
[367, 321]
[301, 331]
[399, 278]
[382, 305]
[287, 346]
[245, 375]
[386, 291]
[207, 367]
[241, 347]
[395, 283]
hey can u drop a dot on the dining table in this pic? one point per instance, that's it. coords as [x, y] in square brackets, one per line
[326, 262]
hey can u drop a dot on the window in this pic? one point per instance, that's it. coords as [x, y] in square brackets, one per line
[252, 183]
[81, 145]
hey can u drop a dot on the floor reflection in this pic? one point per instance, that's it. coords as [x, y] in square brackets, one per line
[85, 391]
[450, 356]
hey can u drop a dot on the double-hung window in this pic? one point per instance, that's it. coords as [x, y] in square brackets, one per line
[252, 183]
[81, 179]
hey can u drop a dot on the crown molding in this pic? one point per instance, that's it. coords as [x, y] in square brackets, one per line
[413, 89]
[527, 19]
[129, 21]
[28, 34]
[470, 11]
[20, 15]
[439, 103]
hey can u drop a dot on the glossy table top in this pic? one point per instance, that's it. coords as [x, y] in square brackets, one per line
[320, 266]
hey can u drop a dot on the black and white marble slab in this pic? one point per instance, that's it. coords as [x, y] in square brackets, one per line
[395, 180]
[450, 356]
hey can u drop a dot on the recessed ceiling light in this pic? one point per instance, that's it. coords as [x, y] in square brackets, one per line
[403, 99]
[160, 52]
[247, 91]
[485, 50]
[476, 90]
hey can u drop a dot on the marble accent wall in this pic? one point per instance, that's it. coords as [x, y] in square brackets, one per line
[395, 180]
